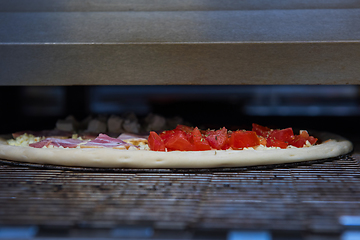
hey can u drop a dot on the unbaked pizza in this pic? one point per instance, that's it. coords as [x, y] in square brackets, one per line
[180, 147]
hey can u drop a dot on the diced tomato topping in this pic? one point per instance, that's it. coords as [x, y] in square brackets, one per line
[155, 142]
[285, 135]
[179, 141]
[168, 134]
[184, 138]
[198, 140]
[312, 140]
[300, 140]
[226, 145]
[273, 142]
[262, 140]
[261, 130]
[244, 139]
[217, 139]
[184, 128]
[304, 134]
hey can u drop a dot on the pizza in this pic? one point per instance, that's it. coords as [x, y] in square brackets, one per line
[180, 147]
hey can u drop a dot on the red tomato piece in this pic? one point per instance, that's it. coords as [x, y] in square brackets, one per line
[304, 134]
[300, 140]
[226, 145]
[285, 135]
[272, 142]
[262, 140]
[312, 140]
[178, 141]
[244, 139]
[217, 139]
[155, 142]
[198, 141]
[261, 130]
[184, 128]
[168, 134]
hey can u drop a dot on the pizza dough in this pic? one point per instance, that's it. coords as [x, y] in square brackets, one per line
[332, 146]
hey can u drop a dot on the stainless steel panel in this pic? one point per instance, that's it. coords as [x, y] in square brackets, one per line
[152, 64]
[180, 27]
[165, 5]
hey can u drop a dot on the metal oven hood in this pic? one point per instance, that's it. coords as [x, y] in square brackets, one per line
[202, 42]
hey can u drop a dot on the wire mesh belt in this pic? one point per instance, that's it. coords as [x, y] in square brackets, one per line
[301, 198]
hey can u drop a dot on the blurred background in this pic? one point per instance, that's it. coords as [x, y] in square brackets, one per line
[321, 107]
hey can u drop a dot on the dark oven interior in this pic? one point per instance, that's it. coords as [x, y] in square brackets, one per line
[333, 108]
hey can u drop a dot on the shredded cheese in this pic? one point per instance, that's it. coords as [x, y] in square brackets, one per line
[24, 140]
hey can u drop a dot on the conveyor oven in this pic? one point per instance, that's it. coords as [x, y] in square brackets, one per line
[206, 63]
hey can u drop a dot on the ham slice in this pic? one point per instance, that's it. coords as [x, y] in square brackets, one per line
[57, 142]
[126, 136]
[92, 135]
[135, 139]
[104, 141]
